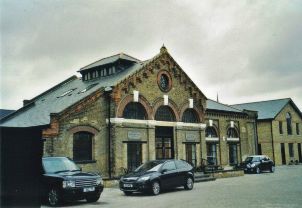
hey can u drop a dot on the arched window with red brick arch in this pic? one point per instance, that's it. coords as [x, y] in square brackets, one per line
[164, 113]
[190, 116]
[135, 110]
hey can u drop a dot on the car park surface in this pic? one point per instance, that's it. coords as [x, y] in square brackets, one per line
[281, 189]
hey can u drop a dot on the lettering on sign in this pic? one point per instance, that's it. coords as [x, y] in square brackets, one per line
[191, 136]
[134, 135]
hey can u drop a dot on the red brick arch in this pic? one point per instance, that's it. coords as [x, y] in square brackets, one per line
[129, 98]
[90, 129]
[160, 101]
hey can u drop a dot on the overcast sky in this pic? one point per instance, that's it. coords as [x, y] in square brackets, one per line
[243, 50]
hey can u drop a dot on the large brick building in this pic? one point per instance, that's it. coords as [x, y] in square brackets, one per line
[124, 111]
[279, 129]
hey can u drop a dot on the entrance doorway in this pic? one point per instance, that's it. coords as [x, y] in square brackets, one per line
[299, 153]
[164, 142]
[212, 153]
[283, 154]
[233, 159]
[259, 149]
[134, 155]
[191, 153]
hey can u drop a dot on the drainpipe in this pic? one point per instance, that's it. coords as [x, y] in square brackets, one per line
[108, 90]
[273, 146]
[256, 137]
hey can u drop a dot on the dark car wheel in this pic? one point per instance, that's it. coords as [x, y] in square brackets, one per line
[93, 198]
[155, 188]
[189, 184]
[127, 193]
[53, 197]
[272, 169]
[258, 170]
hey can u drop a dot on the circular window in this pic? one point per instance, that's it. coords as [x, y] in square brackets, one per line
[164, 81]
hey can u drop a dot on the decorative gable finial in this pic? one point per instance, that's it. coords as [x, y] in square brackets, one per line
[163, 49]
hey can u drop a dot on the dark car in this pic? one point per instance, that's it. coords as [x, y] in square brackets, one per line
[63, 180]
[257, 164]
[153, 176]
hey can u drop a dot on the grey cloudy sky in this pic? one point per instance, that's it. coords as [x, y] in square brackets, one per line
[244, 50]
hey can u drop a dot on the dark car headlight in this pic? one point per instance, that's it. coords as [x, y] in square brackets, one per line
[144, 178]
[68, 184]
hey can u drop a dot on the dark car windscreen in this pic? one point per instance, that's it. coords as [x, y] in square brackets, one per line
[149, 166]
[252, 159]
[56, 165]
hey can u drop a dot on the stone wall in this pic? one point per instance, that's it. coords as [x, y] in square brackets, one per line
[90, 118]
[245, 127]
[268, 133]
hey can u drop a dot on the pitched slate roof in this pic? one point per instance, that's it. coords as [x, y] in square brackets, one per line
[268, 109]
[213, 105]
[5, 112]
[37, 113]
[110, 59]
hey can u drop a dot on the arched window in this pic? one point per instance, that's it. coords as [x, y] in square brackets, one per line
[190, 116]
[82, 146]
[211, 132]
[134, 110]
[289, 123]
[164, 113]
[232, 133]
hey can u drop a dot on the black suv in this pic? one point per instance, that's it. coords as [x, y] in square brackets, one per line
[153, 176]
[64, 180]
[258, 163]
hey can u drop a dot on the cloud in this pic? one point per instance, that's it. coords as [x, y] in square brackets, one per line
[244, 50]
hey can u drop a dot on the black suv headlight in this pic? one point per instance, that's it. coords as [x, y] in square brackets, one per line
[69, 184]
[99, 181]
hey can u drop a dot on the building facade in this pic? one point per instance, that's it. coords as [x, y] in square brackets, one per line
[123, 112]
[279, 129]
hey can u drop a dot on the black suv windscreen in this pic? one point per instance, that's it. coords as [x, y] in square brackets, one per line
[149, 166]
[252, 159]
[56, 165]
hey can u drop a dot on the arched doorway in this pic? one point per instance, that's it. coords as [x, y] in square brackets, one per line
[164, 135]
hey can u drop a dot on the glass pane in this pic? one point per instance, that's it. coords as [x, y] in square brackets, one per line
[134, 155]
[190, 116]
[134, 110]
[164, 113]
[233, 153]
[169, 166]
[82, 146]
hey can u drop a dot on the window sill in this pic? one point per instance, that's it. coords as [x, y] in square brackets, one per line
[85, 161]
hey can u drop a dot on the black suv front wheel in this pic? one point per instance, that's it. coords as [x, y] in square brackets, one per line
[53, 197]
